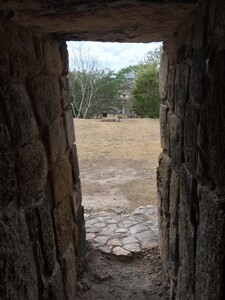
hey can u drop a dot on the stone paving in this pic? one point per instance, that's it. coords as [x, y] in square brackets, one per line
[123, 234]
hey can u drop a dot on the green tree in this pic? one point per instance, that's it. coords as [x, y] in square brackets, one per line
[146, 99]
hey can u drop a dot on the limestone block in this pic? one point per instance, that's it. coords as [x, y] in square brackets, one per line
[69, 128]
[173, 231]
[163, 126]
[171, 86]
[56, 139]
[65, 91]
[64, 58]
[8, 179]
[47, 239]
[56, 290]
[17, 264]
[163, 185]
[176, 135]
[163, 75]
[61, 181]
[32, 171]
[25, 53]
[46, 98]
[190, 137]
[210, 253]
[64, 225]
[69, 272]
[52, 56]
[187, 222]
[75, 166]
[199, 27]
[181, 88]
[23, 125]
[197, 74]
[4, 55]
[80, 233]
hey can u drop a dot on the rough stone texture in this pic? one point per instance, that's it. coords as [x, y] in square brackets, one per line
[163, 126]
[194, 227]
[69, 272]
[32, 171]
[176, 135]
[210, 248]
[64, 226]
[130, 21]
[8, 179]
[69, 128]
[56, 139]
[45, 92]
[163, 183]
[17, 265]
[34, 94]
[61, 180]
[23, 125]
[37, 228]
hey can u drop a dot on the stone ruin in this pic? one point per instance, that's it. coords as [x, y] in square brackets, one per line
[42, 230]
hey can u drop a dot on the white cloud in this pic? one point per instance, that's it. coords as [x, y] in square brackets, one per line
[114, 55]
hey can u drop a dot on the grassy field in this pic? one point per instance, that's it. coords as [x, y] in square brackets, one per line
[118, 162]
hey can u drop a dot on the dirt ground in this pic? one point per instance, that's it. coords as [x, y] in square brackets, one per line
[107, 278]
[118, 163]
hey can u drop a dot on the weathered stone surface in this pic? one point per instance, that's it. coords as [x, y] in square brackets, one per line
[47, 239]
[163, 75]
[163, 127]
[121, 253]
[181, 88]
[187, 222]
[8, 180]
[171, 87]
[46, 98]
[64, 225]
[53, 63]
[56, 289]
[23, 125]
[32, 172]
[56, 139]
[212, 123]
[75, 166]
[69, 128]
[61, 178]
[191, 137]
[197, 74]
[17, 265]
[65, 91]
[80, 233]
[163, 184]
[69, 272]
[134, 247]
[173, 231]
[144, 22]
[210, 249]
[64, 58]
[176, 135]
[24, 50]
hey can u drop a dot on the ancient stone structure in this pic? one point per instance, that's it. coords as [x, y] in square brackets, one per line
[42, 235]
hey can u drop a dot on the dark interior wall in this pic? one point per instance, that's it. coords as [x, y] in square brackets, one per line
[191, 181]
[41, 218]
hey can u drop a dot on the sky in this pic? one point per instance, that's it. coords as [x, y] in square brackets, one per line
[113, 55]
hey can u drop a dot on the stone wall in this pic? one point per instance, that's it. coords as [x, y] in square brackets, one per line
[41, 218]
[190, 176]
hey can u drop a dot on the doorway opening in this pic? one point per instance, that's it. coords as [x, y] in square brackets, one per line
[118, 156]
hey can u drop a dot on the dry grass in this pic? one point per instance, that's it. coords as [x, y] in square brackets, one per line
[118, 159]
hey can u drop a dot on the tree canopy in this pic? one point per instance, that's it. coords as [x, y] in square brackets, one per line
[95, 90]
